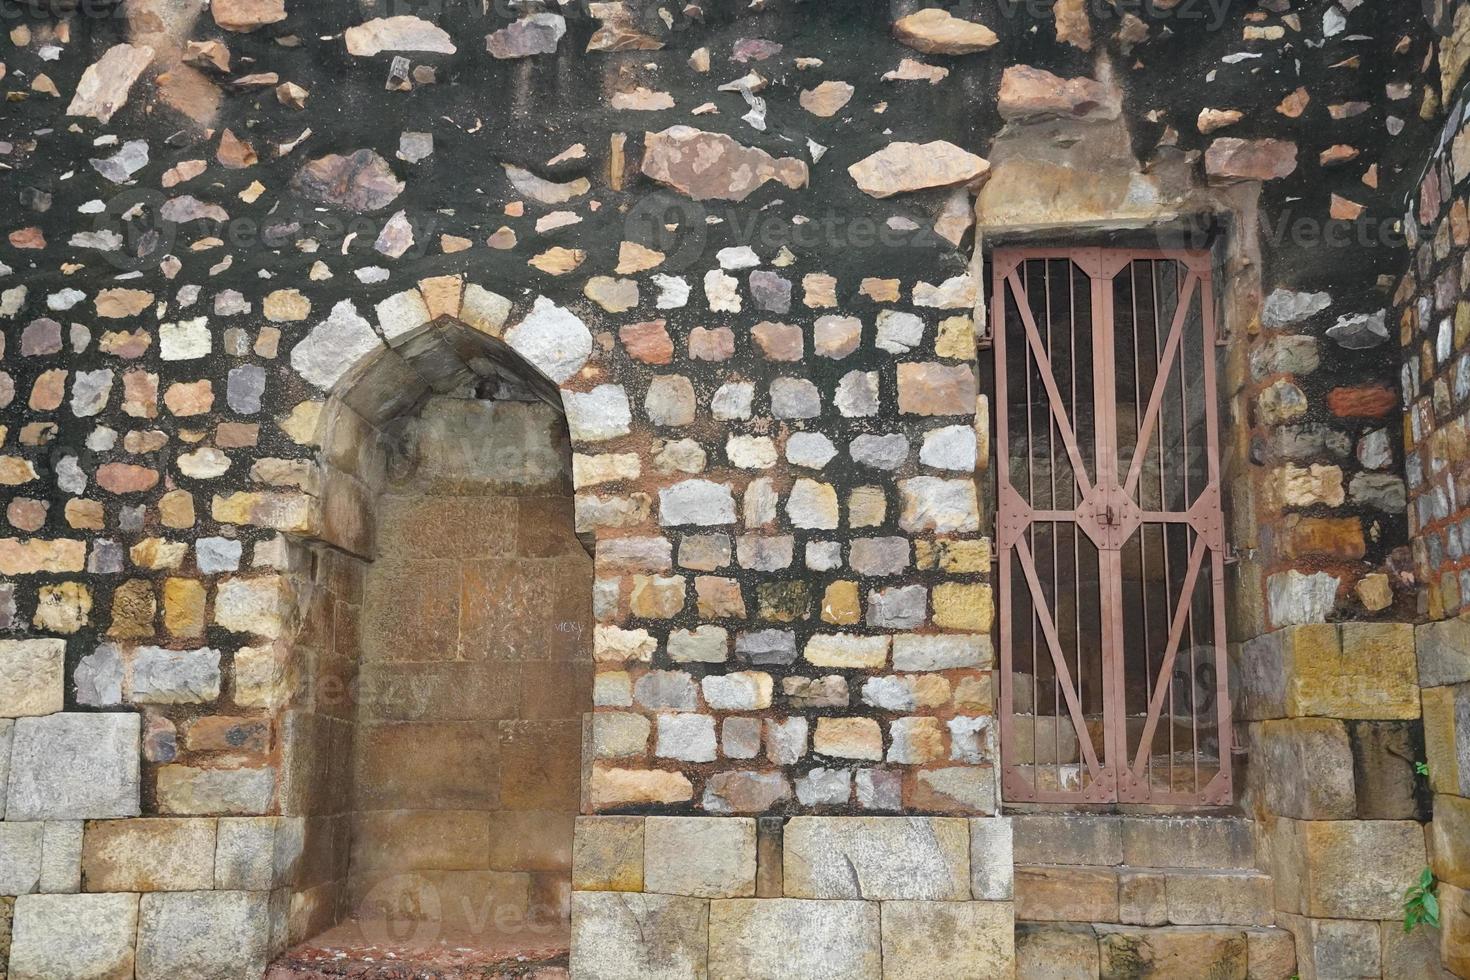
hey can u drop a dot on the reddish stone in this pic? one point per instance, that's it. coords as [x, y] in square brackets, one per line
[711, 343]
[236, 435]
[27, 238]
[648, 342]
[936, 389]
[1233, 158]
[26, 513]
[140, 394]
[126, 477]
[189, 397]
[1372, 401]
[47, 392]
[778, 341]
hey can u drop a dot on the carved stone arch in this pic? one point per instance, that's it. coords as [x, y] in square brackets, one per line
[440, 338]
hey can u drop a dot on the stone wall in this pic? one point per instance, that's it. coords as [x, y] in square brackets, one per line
[245, 237]
[851, 897]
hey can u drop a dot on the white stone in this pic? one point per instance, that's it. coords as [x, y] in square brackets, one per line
[222, 935]
[810, 449]
[553, 339]
[877, 858]
[737, 257]
[401, 315]
[956, 293]
[71, 766]
[751, 452]
[794, 940]
[949, 448]
[598, 415]
[700, 502]
[951, 651]
[704, 857]
[721, 292]
[673, 292]
[705, 644]
[934, 504]
[732, 401]
[1295, 598]
[334, 345]
[185, 340]
[636, 936]
[746, 690]
[686, 737]
[58, 936]
[20, 856]
[898, 332]
[812, 505]
[992, 863]
[857, 394]
[162, 676]
[31, 677]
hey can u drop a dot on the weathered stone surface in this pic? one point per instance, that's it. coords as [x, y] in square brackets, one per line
[992, 859]
[935, 30]
[361, 181]
[31, 681]
[1306, 768]
[553, 339]
[147, 855]
[1061, 952]
[703, 857]
[619, 787]
[627, 936]
[1320, 868]
[876, 858]
[334, 345]
[243, 16]
[745, 792]
[923, 940]
[784, 937]
[400, 33]
[607, 854]
[71, 766]
[189, 790]
[1129, 952]
[901, 167]
[203, 934]
[712, 166]
[105, 85]
[538, 33]
[1239, 159]
[1066, 894]
[1030, 93]
[1443, 652]
[74, 936]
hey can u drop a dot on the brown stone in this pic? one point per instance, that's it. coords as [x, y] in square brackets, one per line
[827, 99]
[648, 342]
[1367, 402]
[778, 341]
[711, 343]
[1066, 894]
[126, 477]
[243, 16]
[362, 181]
[1329, 537]
[935, 30]
[187, 398]
[713, 166]
[901, 167]
[936, 389]
[1127, 952]
[235, 153]
[622, 787]
[1241, 159]
[1031, 93]
[121, 303]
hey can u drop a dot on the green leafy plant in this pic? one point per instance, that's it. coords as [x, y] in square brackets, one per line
[1421, 904]
[1422, 768]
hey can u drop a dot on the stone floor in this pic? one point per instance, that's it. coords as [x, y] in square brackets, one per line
[343, 952]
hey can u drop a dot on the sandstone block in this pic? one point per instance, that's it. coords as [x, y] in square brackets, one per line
[1187, 842]
[1068, 838]
[71, 766]
[632, 936]
[877, 858]
[20, 856]
[1449, 840]
[620, 787]
[960, 940]
[190, 790]
[1056, 951]
[1066, 894]
[1322, 867]
[73, 936]
[703, 857]
[992, 859]
[791, 938]
[1219, 898]
[253, 853]
[1129, 951]
[1384, 753]
[31, 677]
[220, 935]
[148, 855]
[1306, 768]
[1447, 738]
[1443, 651]
[607, 854]
[1270, 954]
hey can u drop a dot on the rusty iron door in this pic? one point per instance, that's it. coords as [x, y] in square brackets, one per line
[1109, 528]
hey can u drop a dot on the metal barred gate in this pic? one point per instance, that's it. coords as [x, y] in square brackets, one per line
[1109, 530]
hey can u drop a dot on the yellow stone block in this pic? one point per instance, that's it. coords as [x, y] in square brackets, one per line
[841, 605]
[964, 606]
[1366, 670]
[183, 607]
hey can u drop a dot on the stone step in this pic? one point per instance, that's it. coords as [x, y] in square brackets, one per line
[1143, 896]
[1052, 951]
[1139, 840]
